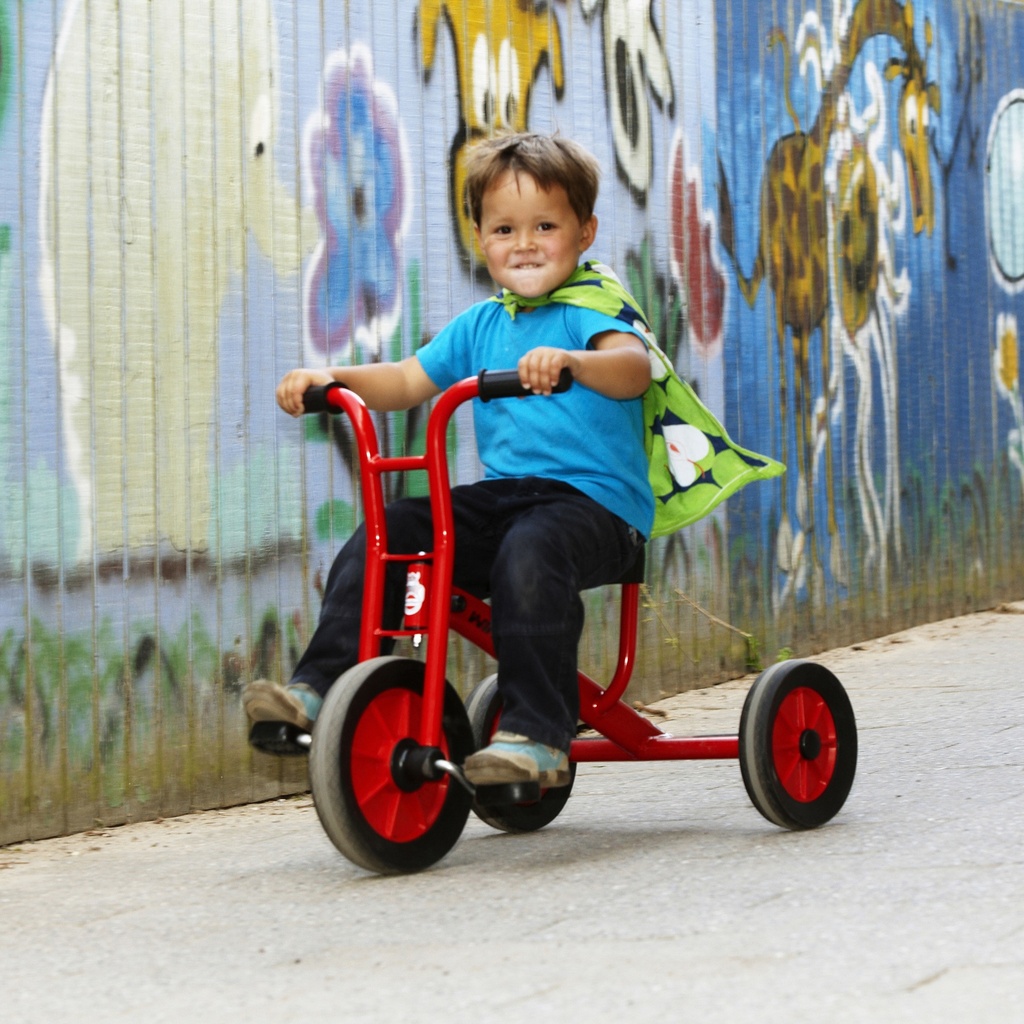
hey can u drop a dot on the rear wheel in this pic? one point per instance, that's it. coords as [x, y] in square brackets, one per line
[798, 744]
[484, 711]
[373, 813]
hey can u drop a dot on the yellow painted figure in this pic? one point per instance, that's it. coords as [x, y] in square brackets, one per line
[500, 49]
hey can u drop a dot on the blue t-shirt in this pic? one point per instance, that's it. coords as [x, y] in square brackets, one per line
[580, 437]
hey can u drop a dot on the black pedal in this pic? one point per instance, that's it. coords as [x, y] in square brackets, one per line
[508, 793]
[279, 738]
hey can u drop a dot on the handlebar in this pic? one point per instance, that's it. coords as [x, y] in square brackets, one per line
[316, 398]
[491, 384]
[506, 384]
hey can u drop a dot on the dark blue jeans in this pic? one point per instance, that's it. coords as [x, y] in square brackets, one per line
[531, 545]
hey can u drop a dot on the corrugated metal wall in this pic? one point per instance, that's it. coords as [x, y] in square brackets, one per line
[821, 206]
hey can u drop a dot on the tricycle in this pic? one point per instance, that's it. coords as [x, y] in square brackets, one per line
[386, 750]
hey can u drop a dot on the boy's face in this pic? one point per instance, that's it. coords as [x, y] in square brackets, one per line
[532, 240]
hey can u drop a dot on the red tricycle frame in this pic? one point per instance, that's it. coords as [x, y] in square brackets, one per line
[627, 734]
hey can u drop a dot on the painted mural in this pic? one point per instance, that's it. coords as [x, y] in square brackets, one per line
[823, 247]
[819, 204]
[868, 233]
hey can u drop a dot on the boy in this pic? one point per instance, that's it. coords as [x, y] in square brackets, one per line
[565, 503]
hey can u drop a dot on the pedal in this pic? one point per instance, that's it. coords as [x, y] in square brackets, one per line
[508, 793]
[281, 739]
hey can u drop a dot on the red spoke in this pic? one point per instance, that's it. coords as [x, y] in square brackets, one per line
[393, 813]
[801, 712]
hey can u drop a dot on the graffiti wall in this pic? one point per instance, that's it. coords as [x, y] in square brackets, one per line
[870, 219]
[821, 207]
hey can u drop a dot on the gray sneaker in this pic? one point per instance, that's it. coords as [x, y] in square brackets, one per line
[297, 704]
[514, 758]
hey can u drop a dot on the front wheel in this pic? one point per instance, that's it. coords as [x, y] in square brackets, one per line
[798, 744]
[484, 710]
[369, 810]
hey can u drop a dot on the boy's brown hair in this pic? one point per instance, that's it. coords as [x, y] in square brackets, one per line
[549, 159]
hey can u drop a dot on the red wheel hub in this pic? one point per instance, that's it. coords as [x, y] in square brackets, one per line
[804, 744]
[397, 815]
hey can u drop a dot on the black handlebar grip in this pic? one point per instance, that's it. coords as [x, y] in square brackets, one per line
[564, 381]
[314, 398]
[506, 384]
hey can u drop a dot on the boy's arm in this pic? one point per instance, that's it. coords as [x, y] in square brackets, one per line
[382, 386]
[616, 366]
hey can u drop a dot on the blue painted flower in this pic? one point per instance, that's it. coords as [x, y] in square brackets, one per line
[357, 171]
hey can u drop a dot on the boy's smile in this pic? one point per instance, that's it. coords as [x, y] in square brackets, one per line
[532, 239]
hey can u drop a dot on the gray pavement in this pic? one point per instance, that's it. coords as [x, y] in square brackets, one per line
[660, 893]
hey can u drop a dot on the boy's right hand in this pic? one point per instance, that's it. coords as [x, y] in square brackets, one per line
[294, 385]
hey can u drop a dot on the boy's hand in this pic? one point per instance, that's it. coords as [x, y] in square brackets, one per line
[384, 387]
[616, 366]
[294, 385]
[540, 368]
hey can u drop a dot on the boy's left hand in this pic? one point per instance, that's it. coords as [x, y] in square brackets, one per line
[617, 366]
[540, 368]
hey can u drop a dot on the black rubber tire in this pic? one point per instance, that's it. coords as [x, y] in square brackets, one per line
[372, 820]
[798, 744]
[483, 709]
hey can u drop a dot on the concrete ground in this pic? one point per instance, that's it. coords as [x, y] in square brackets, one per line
[659, 893]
